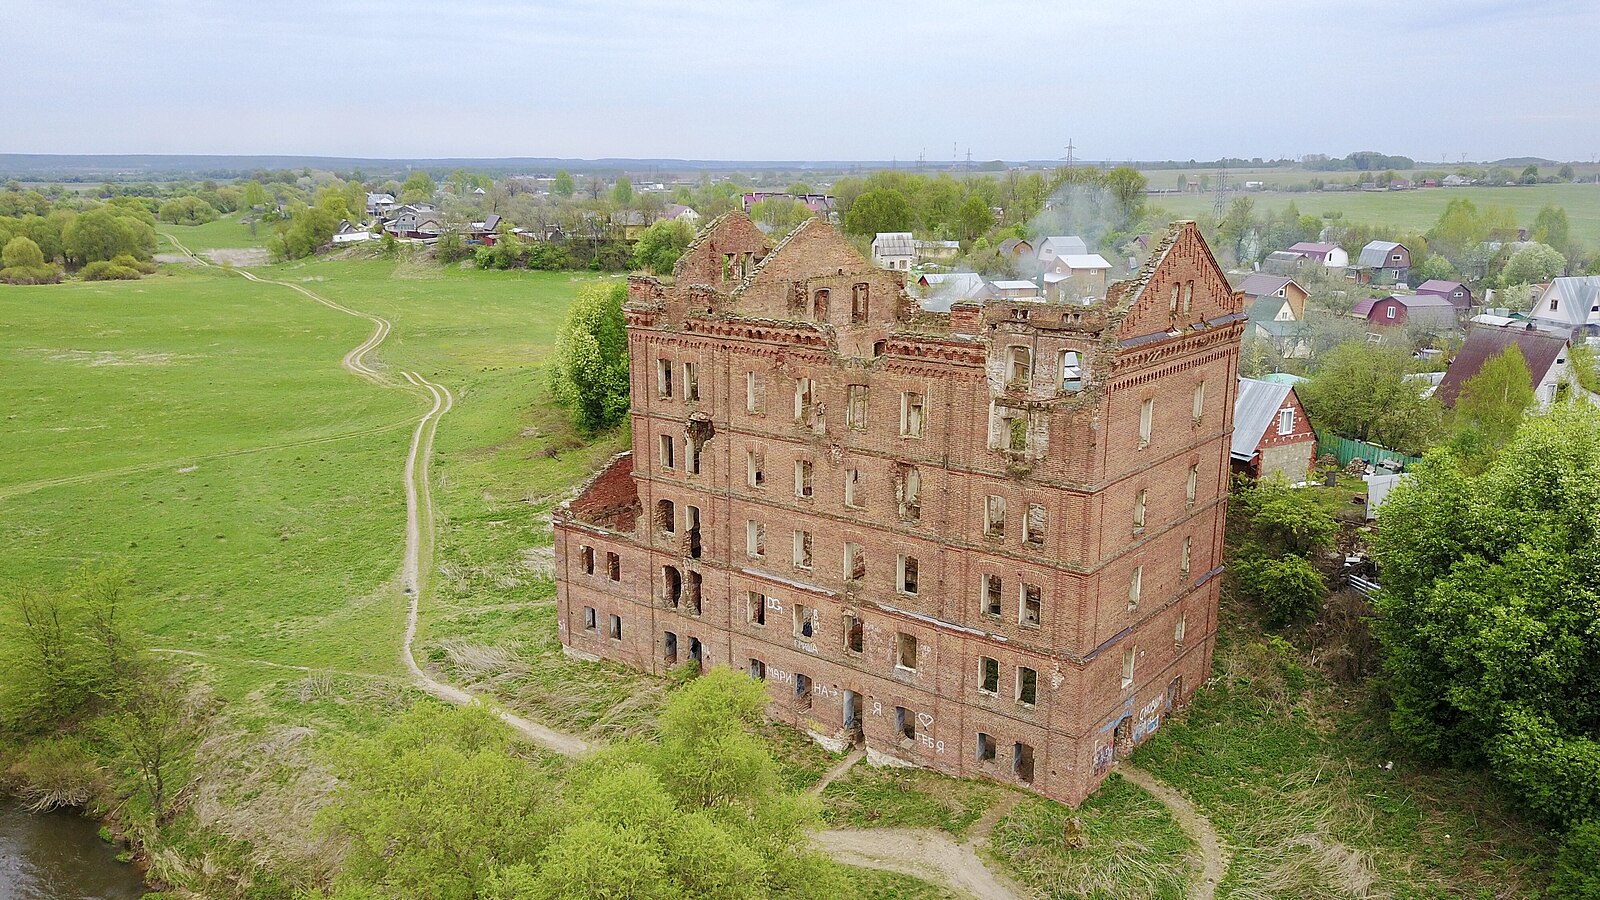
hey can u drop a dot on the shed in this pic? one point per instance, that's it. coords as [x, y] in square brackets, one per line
[1271, 434]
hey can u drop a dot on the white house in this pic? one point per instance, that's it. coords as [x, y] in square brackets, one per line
[1570, 305]
[1330, 255]
[895, 250]
[1545, 353]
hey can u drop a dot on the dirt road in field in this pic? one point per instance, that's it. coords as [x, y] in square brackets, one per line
[1213, 852]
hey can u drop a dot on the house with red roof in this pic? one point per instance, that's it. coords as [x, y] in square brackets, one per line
[1545, 353]
[1459, 295]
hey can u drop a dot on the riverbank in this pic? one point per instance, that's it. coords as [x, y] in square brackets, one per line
[48, 855]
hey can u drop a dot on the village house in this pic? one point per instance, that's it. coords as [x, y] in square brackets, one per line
[1283, 262]
[937, 251]
[1570, 305]
[1397, 310]
[1459, 295]
[681, 213]
[1271, 434]
[1016, 248]
[418, 221]
[1257, 286]
[1546, 355]
[379, 205]
[987, 541]
[1014, 289]
[1325, 254]
[1061, 245]
[1383, 262]
[895, 250]
[1075, 276]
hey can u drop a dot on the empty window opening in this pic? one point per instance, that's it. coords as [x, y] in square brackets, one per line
[802, 549]
[905, 723]
[852, 633]
[586, 559]
[805, 622]
[669, 648]
[804, 399]
[908, 574]
[855, 411]
[691, 592]
[1028, 611]
[691, 381]
[691, 521]
[905, 651]
[1027, 686]
[819, 305]
[855, 562]
[854, 488]
[671, 586]
[1147, 418]
[1022, 762]
[1016, 433]
[755, 539]
[1199, 401]
[667, 459]
[802, 691]
[911, 419]
[752, 392]
[802, 478]
[878, 348]
[993, 585]
[696, 651]
[664, 378]
[1135, 584]
[985, 748]
[589, 618]
[754, 474]
[666, 516]
[858, 304]
[1192, 484]
[989, 675]
[1127, 668]
[1188, 296]
[908, 492]
[994, 516]
[758, 669]
[1188, 550]
[852, 710]
[757, 608]
[1033, 527]
[613, 567]
[1139, 501]
[691, 456]
[614, 628]
[1019, 368]
[1071, 372]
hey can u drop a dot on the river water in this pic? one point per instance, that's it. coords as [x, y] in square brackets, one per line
[59, 856]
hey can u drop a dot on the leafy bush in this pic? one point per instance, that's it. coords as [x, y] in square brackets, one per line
[548, 257]
[1577, 870]
[22, 262]
[661, 245]
[590, 370]
[106, 270]
[1286, 588]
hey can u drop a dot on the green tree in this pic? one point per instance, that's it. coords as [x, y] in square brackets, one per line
[879, 210]
[107, 231]
[419, 186]
[589, 369]
[1361, 392]
[660, 246]
[1530, 175]
[1436, 266]
[781, 214]
[1576, 875]
[563, 186]
[622, 193]
[252, 195]
[1492, 404]
[21, 252]
[1534, 263]
[64, 649]
[151, 726]
[433, 803]
[1550, 227]
[974, 218]
[1286, 588]
[1487, 616]
[1127, 186]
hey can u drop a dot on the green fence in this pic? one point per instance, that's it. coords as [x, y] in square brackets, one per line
[1345, 450]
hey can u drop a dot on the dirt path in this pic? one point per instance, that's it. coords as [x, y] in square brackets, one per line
[920, 852]
[856, 755]
[1212, 850]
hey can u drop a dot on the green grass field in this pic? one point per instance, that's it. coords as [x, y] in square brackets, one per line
[1416, 210]
[225, 233]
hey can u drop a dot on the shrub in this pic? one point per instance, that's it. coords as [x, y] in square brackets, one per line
[1286, 588]
[128, 261]
[106, 270]
[55, 772]
[1577, 869]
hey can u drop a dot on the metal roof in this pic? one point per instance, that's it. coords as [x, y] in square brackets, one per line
[1261, 285]
[1578, 295]
[1253, 411]
[1084, 261]
[894, 243]
[1539, 349]
[1375, 255]
[1065, 244]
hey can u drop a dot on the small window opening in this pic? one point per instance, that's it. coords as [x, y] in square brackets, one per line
[754, 475]
[805, 622]
[905, 647]
[667, 459]
[802, 549]
[855, 562]
[613, 567]
[905, 723]
[1188, 549]
[908, 574]
[855, 416]
[990, 670]
[691, 519]
[692, 594]
[1135, 584]
[669, 648]
[1147, 418]
[985, 748]
[1071, 372]
[994, 517]
[666, 516]
[992, 588]
[758, 669]
[691, 381]
[802, 478]
[1127, 668]
[819, 305]
[1139, 501]
[854, 491]
[589, 618]
[804, 399]
[1033, 527]
[757, 608]
[911, 415]
[1029, 611]
[671, 586]
[664, 378]
[1020, 368]
[908, 492]
[696, 651]
[1022, 762]
[802, 691]
[1027, 686]
[615, 628]
[852, 633]
[1191, 485]
[858, 304]
[586, 559]
[755, 539]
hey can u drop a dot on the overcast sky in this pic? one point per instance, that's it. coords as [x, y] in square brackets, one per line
[806, 79]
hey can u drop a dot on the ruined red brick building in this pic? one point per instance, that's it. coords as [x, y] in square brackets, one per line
[986, 541]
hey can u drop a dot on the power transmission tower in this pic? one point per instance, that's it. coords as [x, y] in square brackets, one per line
[969, 159]
[1070, 148]
[1219, 203]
